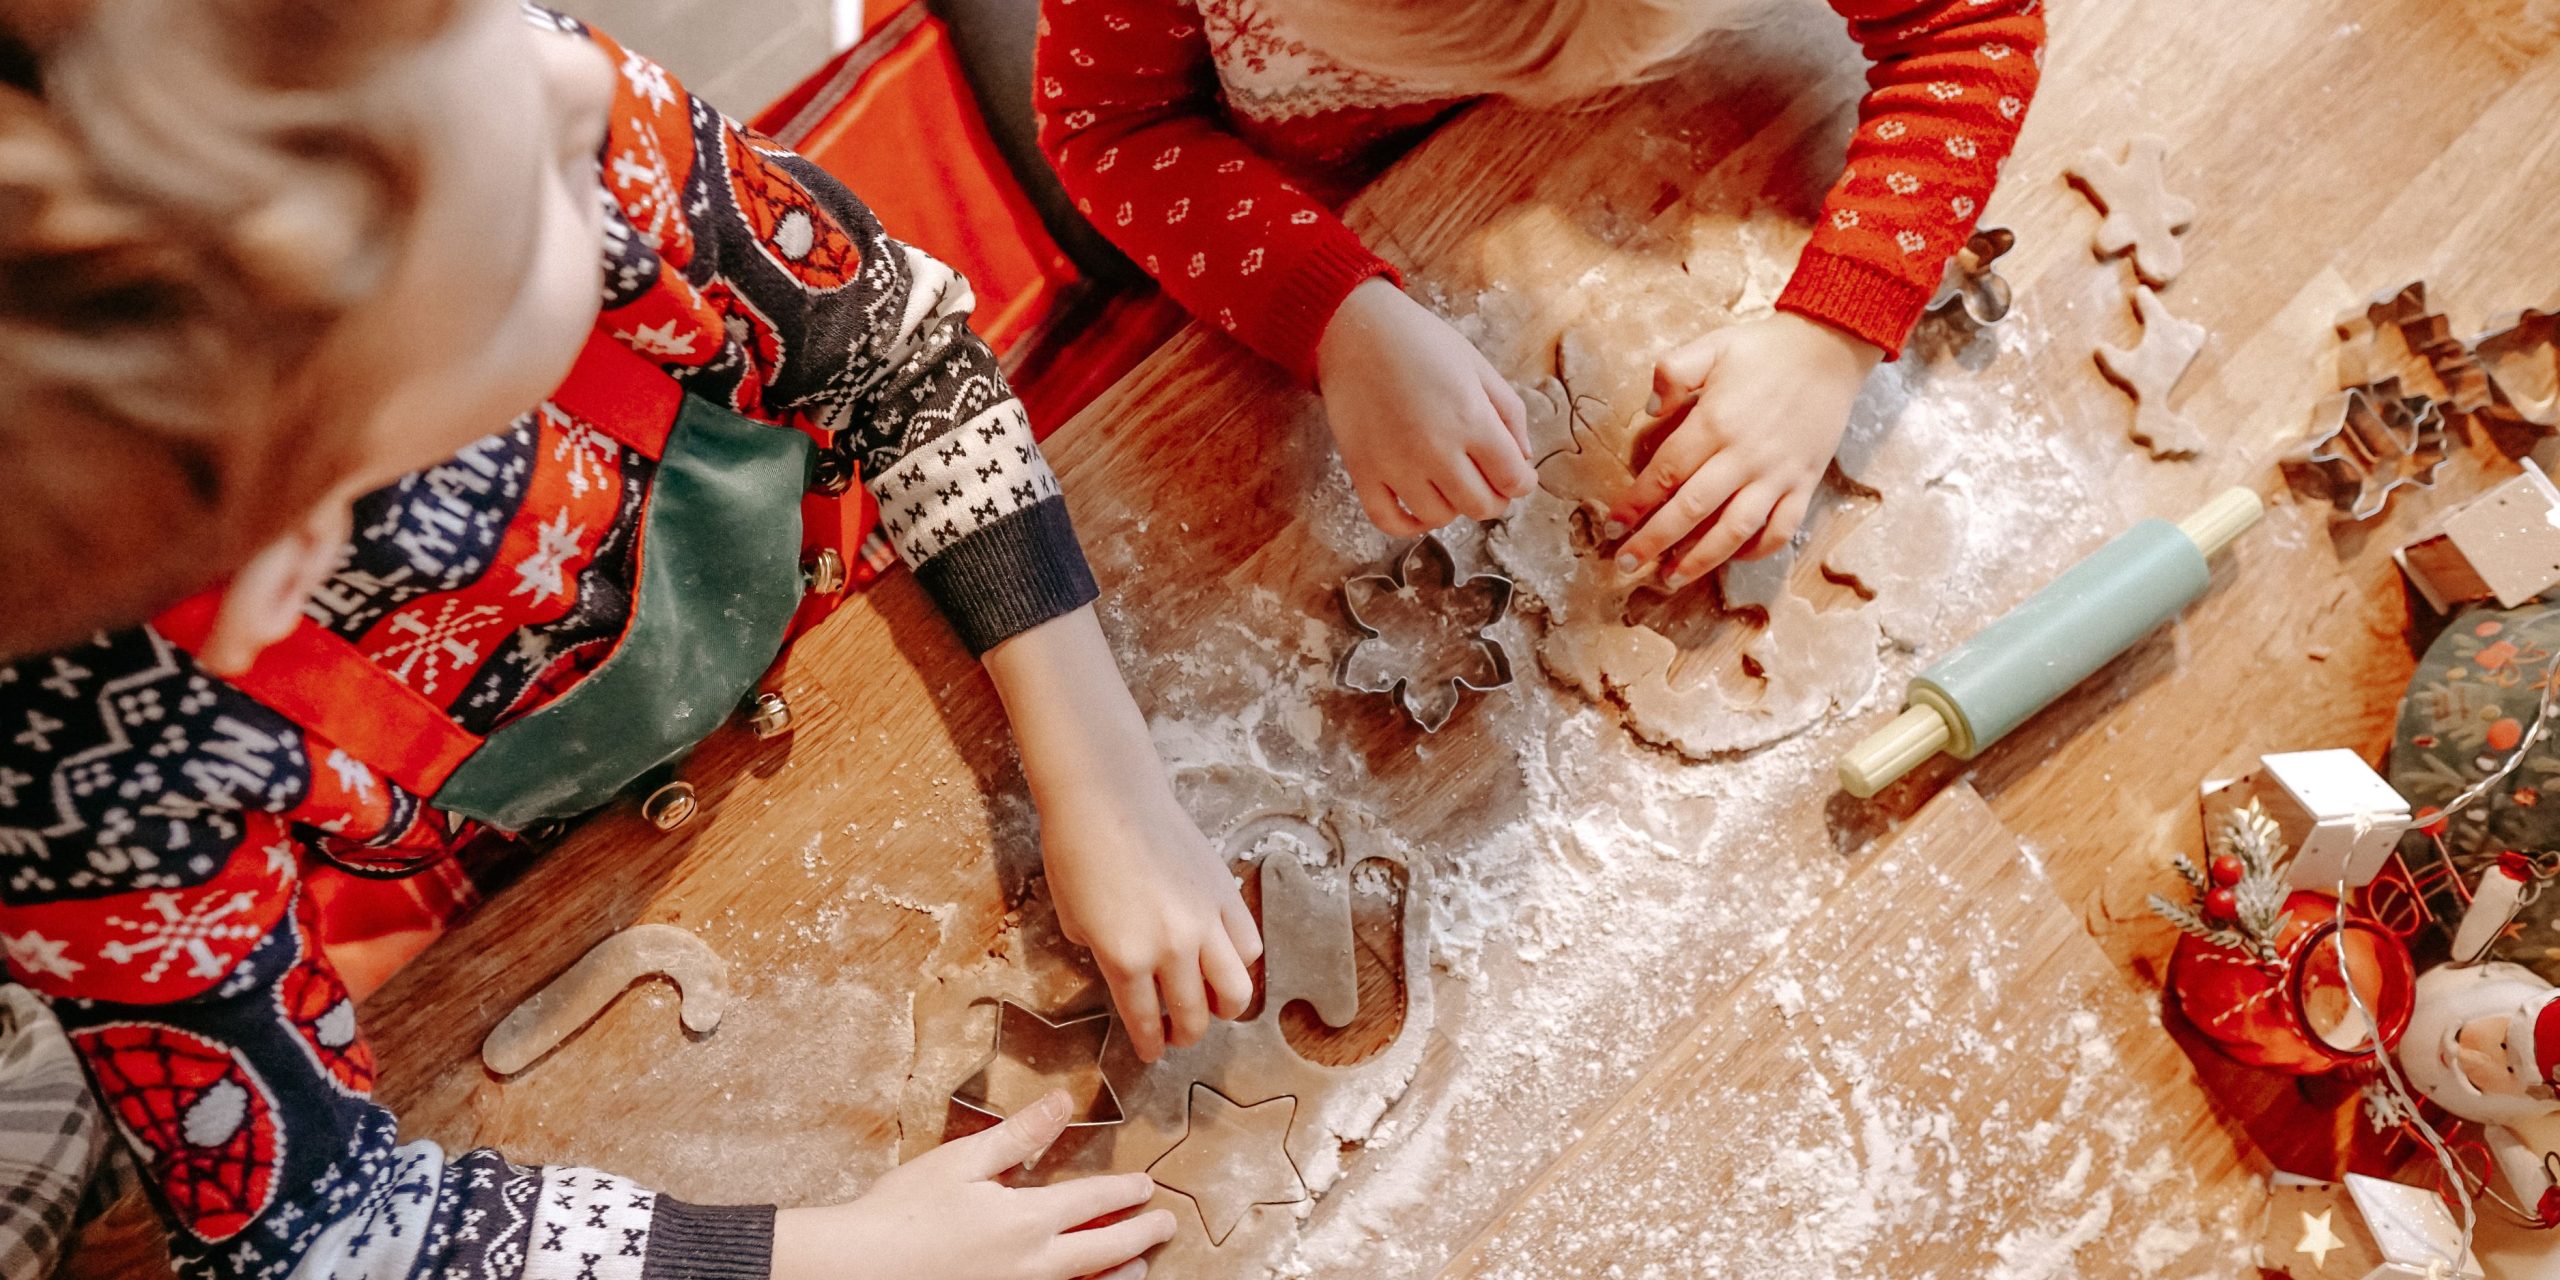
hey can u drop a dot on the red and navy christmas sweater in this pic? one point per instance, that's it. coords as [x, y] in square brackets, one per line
[156, 822]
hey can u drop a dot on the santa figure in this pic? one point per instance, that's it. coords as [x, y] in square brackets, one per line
[2484, 1044]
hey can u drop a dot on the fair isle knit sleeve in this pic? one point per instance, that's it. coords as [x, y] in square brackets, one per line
[757, 279]
[1945, 98]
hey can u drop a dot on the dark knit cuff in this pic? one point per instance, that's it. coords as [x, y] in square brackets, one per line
[1010, 576]
[1856, 297]
[1318, 282]
[709, 1242]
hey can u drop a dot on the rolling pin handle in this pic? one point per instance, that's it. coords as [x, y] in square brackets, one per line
[2226, 517]
[1894, 750]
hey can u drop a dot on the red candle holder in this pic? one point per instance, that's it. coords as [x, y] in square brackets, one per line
[2293, 1014]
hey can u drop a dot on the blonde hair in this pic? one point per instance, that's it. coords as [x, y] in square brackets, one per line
[192, 193]
[1537, 51]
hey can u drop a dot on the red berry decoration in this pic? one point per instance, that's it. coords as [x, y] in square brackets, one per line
[2222, 904]
[2226, 871]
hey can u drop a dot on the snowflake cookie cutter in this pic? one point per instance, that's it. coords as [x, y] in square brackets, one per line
[1972, 286]
[1429, 686]
[1033, 1055]
[2368, 442]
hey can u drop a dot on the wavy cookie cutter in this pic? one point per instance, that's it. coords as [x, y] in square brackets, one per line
[1033, 1055]
[1414, 678]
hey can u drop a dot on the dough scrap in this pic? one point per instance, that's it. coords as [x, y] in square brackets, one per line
[572, 1000]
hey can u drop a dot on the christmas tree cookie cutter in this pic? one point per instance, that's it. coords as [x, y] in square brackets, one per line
[1033, 1055]
[1428, 658]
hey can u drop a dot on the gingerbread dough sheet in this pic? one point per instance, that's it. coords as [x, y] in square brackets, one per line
[1811, 662]
[1243, 1133]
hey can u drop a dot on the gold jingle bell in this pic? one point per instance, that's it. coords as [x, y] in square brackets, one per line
[769, 715]
[823, 574]
[671, 806]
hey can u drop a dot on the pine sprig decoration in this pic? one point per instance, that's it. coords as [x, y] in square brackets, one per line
[2248, 836]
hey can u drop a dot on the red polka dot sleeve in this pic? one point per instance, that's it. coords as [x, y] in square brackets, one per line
[1129, 114]
[1949, 89]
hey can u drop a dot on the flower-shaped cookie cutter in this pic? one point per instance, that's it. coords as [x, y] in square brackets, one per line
[1971, 285]
[1426, 656]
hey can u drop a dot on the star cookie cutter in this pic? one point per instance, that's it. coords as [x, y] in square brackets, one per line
[1972, 287]
[1428, 684]
[1033, 1055]
[2367, 442]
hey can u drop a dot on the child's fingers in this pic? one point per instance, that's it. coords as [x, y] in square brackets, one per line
[1071, 1204]
[1425, 503]
[1782, 526]
[1684, 369]
[1139, 1013]
[1506, 473]
[1687, 448]
[1230, 983]
[1507, 406]
[1186, 999]
[1016, 1142]
[1390, 518]
[1744, 515]
[1081, 1253]
[1463, 487]
[1697, 499]
[1241, 930]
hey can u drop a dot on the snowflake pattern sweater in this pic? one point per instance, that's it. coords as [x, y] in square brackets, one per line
[154, 820]
[1210, 143]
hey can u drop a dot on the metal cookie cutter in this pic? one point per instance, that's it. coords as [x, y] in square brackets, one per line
[1971, 286]
[2366, 443]
[1426, 655]
[1033, 1055]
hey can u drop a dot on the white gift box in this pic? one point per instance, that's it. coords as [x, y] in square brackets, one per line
[2338, 816]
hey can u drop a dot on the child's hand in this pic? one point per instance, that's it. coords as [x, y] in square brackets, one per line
[943, 1216]
[1766, 402]
[1427, 429]
[1135, 880]
[1132, 877]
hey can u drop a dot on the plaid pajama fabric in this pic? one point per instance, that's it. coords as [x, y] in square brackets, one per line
[51, 1136]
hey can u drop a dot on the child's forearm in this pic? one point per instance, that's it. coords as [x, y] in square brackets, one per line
[1072, 715]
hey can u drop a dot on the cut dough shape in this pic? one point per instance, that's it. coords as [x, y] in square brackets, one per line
[2142, 217]
[572, 1000]
[1812, 661]
[1232, 1159]
[2151, 372]
[1902, 553]
[1033, 1056]
[1306, 932]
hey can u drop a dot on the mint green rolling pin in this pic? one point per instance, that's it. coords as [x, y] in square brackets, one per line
[2096, 610]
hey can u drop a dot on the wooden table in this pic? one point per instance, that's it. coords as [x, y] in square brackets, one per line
[1690, 1014]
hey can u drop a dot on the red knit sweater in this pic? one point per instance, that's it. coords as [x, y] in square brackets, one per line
[1210, 144]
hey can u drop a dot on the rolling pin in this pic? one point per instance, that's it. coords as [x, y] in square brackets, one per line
[2080, 622]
